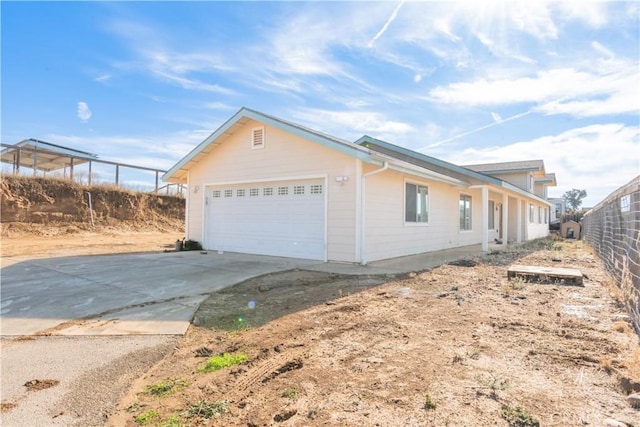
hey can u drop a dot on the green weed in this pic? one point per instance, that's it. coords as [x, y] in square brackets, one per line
[492, 382]
[147, 418]
[207, 410]
[220, 361]
[291, 392]
[165, 387]
[518, 417]
[429, 404]
[172, 421]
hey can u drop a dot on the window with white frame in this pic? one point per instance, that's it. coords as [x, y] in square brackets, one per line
[465, 212]
[539, 214]
[267, 191]
[283, 191]
[215, 194]
[492, 215]
[228, 193]
[298, 190]
[531, 213]
[546, 215]
[416, 207]
[253, 192]
[240, 192]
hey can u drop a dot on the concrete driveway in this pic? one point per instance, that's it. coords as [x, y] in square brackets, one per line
[121, 294]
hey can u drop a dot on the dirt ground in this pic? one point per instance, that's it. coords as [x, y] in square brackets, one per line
[458, 345]
[39, 241]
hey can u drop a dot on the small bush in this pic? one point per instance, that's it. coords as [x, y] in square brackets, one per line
[191, 245]
[429, 404]
[518, 417]
[218, 362]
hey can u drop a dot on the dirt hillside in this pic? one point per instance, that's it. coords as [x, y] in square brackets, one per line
[46, 206]
[43, 217]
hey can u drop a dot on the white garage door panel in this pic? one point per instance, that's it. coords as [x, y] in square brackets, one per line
[284, 218]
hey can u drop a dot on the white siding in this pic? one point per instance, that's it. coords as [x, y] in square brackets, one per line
[284, 156]
[388, 236]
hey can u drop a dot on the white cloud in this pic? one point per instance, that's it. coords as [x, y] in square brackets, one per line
[102, 78]
[357, 122]
[83, 112]
[219, 106]
[599, 158]
[166, 64]
[558, 91]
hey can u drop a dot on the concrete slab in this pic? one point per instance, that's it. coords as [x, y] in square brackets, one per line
[151, 293]
[140, 320]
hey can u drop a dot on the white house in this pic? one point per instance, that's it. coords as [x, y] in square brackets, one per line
[263, 185]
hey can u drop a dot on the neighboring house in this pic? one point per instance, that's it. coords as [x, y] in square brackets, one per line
[560, 208]
[263, 185]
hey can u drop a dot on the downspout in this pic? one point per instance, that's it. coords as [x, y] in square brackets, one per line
[363, 210]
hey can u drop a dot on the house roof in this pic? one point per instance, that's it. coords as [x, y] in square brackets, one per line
[178, 173]
[367, 149]
[425, 161]
[549, 179]
[460, 172]
[47, 156]
[508, 167]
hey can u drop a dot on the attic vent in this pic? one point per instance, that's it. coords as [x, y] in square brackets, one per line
[257, 138]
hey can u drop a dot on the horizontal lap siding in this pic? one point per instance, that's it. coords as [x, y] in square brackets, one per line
[386, 234]
[284, 156]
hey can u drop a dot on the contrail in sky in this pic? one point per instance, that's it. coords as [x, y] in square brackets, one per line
[386, 24]
[490, 125]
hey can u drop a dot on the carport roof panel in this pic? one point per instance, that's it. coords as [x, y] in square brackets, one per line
[48, 156]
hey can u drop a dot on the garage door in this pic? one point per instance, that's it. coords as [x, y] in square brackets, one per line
[283, 218]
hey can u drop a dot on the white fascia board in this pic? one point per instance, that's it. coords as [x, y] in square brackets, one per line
[414, 170]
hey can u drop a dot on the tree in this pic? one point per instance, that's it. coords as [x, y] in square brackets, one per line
[573, 198]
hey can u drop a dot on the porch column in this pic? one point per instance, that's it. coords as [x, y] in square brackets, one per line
[505, 219]
[485, 218]
[519, 220]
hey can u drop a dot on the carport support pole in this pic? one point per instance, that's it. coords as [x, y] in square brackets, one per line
[156, 190]
[17, 165]
[89, 181]
[71, 169]
[363, 209]
[35, 160]
[117, 174]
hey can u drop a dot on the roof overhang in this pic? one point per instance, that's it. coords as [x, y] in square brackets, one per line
[44, 156]
[178, 173]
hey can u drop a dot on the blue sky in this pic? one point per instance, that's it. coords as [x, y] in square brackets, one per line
[468, 82]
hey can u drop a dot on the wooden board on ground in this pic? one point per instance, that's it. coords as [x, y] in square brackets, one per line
[534, 273]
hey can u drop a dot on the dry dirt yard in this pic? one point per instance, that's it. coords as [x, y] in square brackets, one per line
[458, 345]
[40, 241]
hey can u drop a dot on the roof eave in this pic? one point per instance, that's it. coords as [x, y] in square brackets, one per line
[344, 147]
